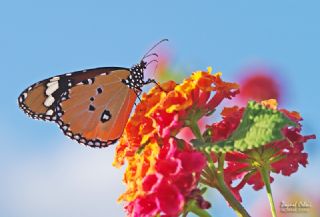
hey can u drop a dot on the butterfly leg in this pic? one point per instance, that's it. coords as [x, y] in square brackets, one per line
[153, 81]
[138, 92]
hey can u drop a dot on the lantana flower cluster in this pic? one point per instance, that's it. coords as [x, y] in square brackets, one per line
[167, 175]
[283, 156]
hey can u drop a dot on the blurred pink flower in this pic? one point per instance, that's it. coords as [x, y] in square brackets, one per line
[258, 84]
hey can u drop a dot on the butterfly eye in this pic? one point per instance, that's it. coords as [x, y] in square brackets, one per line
[143, 64]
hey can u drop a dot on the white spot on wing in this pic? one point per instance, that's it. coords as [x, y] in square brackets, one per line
[105, 116]
[51, 83]
[49, 112]
[55, 79]
[52, 87]
[49, 101]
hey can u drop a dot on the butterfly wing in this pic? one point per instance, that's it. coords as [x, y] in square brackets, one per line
[95, 111]
[40, 100]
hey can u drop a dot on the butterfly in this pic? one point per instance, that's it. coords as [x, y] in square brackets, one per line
[90, 106]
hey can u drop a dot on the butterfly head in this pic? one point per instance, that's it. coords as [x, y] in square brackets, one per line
[142, 64]
[138, 69]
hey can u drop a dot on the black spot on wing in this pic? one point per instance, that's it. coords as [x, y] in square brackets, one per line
[99, 90]
[91, 108]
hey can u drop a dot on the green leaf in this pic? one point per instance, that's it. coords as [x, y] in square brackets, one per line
[196, 142]
[180, 143]
[203, 190]
[259, 126]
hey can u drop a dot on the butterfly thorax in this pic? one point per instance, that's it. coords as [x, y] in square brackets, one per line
[135, 79]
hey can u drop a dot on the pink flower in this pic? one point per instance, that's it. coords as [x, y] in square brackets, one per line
[258, 84]
[168, 189]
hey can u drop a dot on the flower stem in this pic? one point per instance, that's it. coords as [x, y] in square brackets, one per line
[194, 208]
[196, 131]
[233, 202]
[225, 191]
[264, 171]
[219, 174]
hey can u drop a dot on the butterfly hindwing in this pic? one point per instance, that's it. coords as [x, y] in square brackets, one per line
[95, 111]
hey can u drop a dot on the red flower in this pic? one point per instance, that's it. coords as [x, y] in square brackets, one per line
[284, 156]
[170, 199]
[292, 148]
[192, 161]
[230, 120]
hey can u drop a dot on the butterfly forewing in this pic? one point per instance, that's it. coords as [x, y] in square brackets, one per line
[95, 111]
[41, 99]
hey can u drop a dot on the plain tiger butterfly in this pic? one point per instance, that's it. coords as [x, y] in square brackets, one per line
[91, 106]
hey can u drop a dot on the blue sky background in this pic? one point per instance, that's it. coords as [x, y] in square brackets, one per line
[45, 174]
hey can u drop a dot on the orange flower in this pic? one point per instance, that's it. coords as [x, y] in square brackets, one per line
[160, 115]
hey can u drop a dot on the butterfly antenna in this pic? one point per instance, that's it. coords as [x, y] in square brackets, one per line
[152, 54]
[153, 47]
[152, 62]
[155, 68]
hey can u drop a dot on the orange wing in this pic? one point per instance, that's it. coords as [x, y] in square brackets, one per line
[39, 101]
[95, 111]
